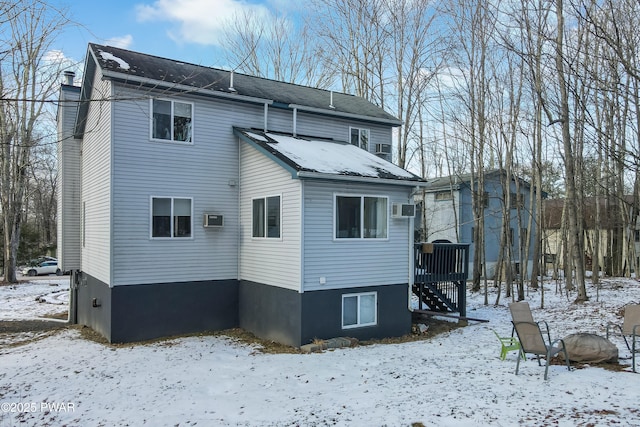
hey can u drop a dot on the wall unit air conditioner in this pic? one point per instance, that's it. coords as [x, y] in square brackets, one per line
[403, 210]
[213, 220]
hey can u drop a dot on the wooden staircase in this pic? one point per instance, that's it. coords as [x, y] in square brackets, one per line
[441, 271]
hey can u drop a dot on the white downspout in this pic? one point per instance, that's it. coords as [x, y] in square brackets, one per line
[411, 262]
[295, 122]
[266, 114]
[231, 88]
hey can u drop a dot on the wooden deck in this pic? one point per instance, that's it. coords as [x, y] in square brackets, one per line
[441, 271]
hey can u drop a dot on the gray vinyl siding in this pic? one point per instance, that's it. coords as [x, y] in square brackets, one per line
[352, 263]
[336, 128]
[281, 120]
[205, 171]
[68, 206]
[96, 184]
[269, 261]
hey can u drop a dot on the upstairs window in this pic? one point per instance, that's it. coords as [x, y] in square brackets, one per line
[266, 217]
[170, 217]
[524, 238]
[516, 201]
[359, 137]
[171, 120]
[443, 195]
[361, 217]
[482, 199]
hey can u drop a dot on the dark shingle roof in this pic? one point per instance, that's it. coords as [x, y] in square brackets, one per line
[168, 72]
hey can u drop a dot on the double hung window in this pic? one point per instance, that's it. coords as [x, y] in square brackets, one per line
[171, 120]
[359, 137]
[516, 201]
[361, 217]
[171, 217]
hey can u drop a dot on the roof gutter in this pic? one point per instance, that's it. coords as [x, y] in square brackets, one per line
[444, 187]
[393, 122]
[355, 178]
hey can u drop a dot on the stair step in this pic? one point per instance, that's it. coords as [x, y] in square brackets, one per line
[432, 300]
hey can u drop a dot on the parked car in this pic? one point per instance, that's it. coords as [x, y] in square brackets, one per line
[42, 258]
[44, 267]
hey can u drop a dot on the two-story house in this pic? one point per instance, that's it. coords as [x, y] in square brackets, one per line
[447, 215]
[195, 199]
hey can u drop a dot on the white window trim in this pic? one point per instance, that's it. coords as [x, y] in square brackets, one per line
[171, 237]
[361, 238]
[359, 324]
[359, 139]
[171, 141]
[266, 219]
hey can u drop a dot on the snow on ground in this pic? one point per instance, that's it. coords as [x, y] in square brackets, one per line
[30, 300]
[452, 379]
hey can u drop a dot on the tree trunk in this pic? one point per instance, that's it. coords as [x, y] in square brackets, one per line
[574, 229]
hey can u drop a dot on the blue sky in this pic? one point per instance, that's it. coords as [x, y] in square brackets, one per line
[186, 30]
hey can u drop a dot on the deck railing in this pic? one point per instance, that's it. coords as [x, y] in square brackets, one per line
[441, 273]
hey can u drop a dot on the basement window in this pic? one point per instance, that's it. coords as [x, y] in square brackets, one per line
[359, 310]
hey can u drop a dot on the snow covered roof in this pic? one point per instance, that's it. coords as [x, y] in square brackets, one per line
[314, 157]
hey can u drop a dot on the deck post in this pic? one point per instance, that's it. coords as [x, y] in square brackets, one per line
[462, 288]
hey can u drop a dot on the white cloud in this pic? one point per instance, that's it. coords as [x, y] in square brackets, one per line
[196, 21]
[54, 55]
[120, 41]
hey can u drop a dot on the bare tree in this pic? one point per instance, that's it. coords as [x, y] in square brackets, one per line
[576, 240]
[28, 79]
[41, 195]
[277, 48]
[473, 23]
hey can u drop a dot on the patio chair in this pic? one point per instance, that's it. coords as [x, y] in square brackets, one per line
[508, 344]
[521, 312]
[532, 342]
[630, 328]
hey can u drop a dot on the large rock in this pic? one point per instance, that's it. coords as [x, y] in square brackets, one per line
[590, 348]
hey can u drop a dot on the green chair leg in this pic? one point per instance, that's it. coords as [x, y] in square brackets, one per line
[508, 344]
